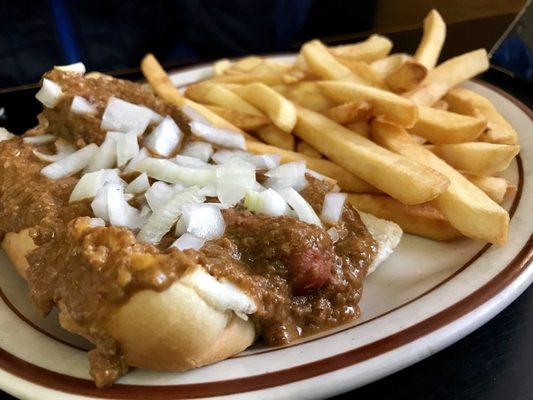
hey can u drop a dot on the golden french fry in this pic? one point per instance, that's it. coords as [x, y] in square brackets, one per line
[271, 134]
[441, 105]
[246, 64]
[305, 148]
[278, 109]
[241, 120]
[468, 209]
[417, 139]
[354, 111]
[218, 95]
[392, 107]
[385, 66]
[360, 128]
[371, 49]
[442, 127]
[295, 75]
[221, 66]
[323, 64]
[406, 77]
[162, 85]
[467, 102]
[249, 77]
[364, 71]
[345, 179]
[421, 219]
[403, 179]
[308, 95]
[430, 46]
[447, 75]
[271, 67]
[495, 187]
[477, 158]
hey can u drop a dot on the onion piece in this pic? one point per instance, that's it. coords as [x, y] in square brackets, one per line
[303, 209]
[39, 139]
[88, 185]
[188, 241]
[119, 211]
[77, 68]
[224, 156]
[287, 175]
[200, 150]
[63, 149]
[219, 136]
[114, 177]
[96, 222]
[70, 164]
[266, 161]
[181, 227]
[234, 179]
[141, 155]
[49, 94]
[167, 171]
[164, 217]
[105, 157]
[193, 115]
[268, 202]
[187, 161]
[121, 116]
[127, 146]
[5, 134]
[333, 234]
[203, 220]
[80, 105]
[164, 138]
[158, 194]
[332, 208]
[209, 190]
[138, 185]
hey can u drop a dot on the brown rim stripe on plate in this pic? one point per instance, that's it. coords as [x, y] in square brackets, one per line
[66, 383]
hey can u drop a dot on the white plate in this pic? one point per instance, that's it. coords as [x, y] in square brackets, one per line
[425, 297]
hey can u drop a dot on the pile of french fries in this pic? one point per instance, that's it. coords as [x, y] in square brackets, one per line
[393, 130]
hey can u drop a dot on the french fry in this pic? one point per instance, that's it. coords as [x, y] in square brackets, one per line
[218, 95]
[269, 79]
[477, 158]
[495, 187]
[162, 85]
[295, 75]
[271, 134]
[385, 66]
[278, 109]
[403, 179]
[441, 105]
[246, 64]
[221, 66]
[360, 128]
[447, 75]
[468, 209]
[345, 179]
[246, 122]
[392, 107]
[467, 102]
[406, 77]
[371, 49]
[323, 64]
[355, 111]
[442, 127]
[308, 95]
[271, 67]
[417, 139]
[430, 46]
[422, 219]
[305, 148]
[365, 72]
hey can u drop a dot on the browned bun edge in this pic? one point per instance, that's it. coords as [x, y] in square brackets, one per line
[172, 330]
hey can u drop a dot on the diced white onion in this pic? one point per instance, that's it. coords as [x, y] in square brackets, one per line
[318, 176]
[187, 161]
[122, 116]
[138, 185]
[266, 161]
[114, 177]
[333, 234]
[80, 105]
[303, 209]
[181, 227]
[188, 241]
[167, 171]
[203, 220]
[127, 146]
[164, 217]
[224, 156]
[96, 222]
[145, 211]
[219, 136]
[77, 68]
[200, 150]
[287, 175]
[49, 94]
[105, 157]
[193, 115]
[332, 208]
[156, 118]
[88, 185]
[164, 138]
[5, 134]
[119, 211]
[268, 202]
[235, 178]
[62, 152]
[70, 164]
[158, 194]
[209, 190]
[39, 139]
[141, 155]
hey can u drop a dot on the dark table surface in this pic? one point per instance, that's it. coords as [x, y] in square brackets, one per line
[494, 362]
